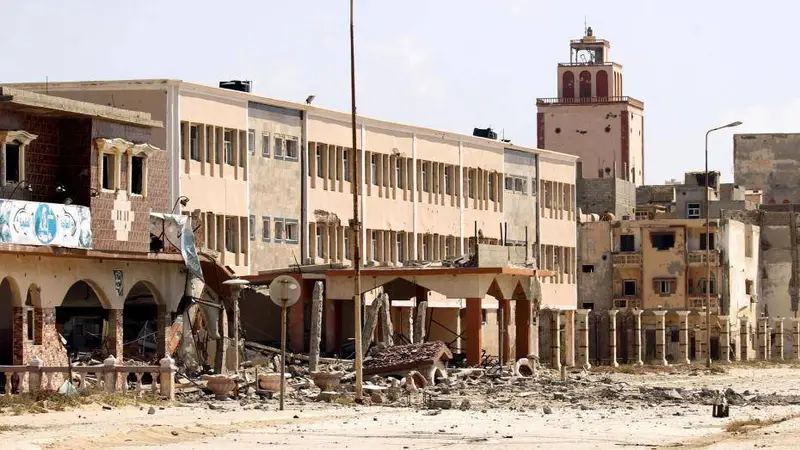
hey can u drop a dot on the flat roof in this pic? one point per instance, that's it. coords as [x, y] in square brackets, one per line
[48, 105]
[190, 87]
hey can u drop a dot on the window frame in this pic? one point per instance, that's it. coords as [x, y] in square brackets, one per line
[291, 148]
[251, 142]
[279, 232]
[346, 164]
[628, 283]
[288, 225]
[693, 210]
[265, 144]
[251, 224]
[266, 230]
[227, 147]
[194, 142]
[278, 146]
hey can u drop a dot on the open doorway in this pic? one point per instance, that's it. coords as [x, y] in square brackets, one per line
[80, 319]
[6, 328]
[139, 325]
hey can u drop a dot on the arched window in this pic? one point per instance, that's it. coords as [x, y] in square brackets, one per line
[568, 84]
[602, 84]
[586, 84]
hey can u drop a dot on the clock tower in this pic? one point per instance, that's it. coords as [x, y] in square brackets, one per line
[591, 117]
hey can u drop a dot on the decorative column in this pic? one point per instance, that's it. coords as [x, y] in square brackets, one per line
[704, 334]
[661, 338]
[762, 338]
[779, 337]
[683, 319]
[637, 337]
[724, 340]
[744, 338]
[556, 340]
[735, 335]
[583, 338]
[569, 341]
[698, 343]
[796, 337]
[115, 333]
[474, 329]
[612, 337]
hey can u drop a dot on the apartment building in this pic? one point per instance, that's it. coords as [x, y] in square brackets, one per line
[657, 269]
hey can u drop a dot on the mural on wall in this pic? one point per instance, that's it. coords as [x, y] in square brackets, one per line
[33, 223]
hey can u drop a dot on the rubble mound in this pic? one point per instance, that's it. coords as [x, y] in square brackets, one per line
[401, 358]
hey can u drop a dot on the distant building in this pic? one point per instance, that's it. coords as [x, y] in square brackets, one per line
[770, 163]
[590, 117]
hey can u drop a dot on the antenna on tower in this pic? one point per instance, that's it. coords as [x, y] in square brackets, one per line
[585, 25]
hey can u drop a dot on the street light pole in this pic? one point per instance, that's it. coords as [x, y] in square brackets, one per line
[708, 249]
[356, 223]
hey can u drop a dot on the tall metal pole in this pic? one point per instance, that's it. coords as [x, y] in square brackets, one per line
[356, 223]
[283, 345]
[708, 250]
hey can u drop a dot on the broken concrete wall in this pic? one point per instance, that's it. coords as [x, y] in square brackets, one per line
[600, 195]
[501, 256]
[595, 267]
[769, 162]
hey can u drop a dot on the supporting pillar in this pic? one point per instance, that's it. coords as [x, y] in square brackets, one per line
[221, 353]
[683, 318]
[420, 320]
[115, 333]
[744, 338]
[163, 328]
[569, 341]
[583, 338]
[612, 337]
[796, 337]
[763, 349]
[661, 339]
[724, 340]
[698, 343]
[316, 325]
[474, 329]
[779, 338]
[556, 340]
[504, 316]
[523, 331]
[736, 336]
[637, 337]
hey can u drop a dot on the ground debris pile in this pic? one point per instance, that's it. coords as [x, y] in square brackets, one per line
[425, 357]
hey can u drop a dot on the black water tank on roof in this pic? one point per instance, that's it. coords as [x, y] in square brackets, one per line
[484, 133]
[236, 85]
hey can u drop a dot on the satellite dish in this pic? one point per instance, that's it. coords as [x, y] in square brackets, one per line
[286, 288]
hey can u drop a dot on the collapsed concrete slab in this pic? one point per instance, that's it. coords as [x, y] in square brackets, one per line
[428, 358]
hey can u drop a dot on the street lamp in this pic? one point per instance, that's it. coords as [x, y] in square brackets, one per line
[28, 187]
[708, 249]
[184, 200]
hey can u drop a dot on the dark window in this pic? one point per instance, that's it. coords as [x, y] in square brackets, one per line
[251, 141]
[703, 238]
[265, 146]
[227, 145]
[588, 268]
[662, 241]
[194, 144]
[629, 288]
[748, 287]
[242, 151]
[29, 319]
[12, 163]
[346, 164]
[588, 306]
[626, 243]
[252, 226]
[108, 171]
[183, 142]
[265, 230]
[674, 335]
[137, 175]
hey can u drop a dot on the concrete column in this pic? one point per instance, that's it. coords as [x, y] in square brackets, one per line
[583, 338]
[683, 317]
[316, 325]
[779, 338]
[522, 310]
[735, 335]
[661, 339]
[556, 340]
[637, 337]
[744, 338]
[796, 337]
[724, 340]
[115, 333]
[763, 349]
[505, 310]
[612, 337]
[569, 329]
[474, 329]
[163, 328]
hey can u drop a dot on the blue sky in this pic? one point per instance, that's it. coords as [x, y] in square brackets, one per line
[449, 64]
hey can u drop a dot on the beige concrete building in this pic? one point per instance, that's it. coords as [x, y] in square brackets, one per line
[656, 270]
[591, 117]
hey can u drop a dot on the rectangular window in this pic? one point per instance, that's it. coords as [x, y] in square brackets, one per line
[265, 145]
[664, 286]
[251, 141]
[374, 245]
[471, 184]
[448, 188]
[347, 244]
[704, 286]
[448, 248]
[626, 243]
[319, 161]
[209, 142]
[230, 236]
[693, 210]
[194, 143]
[629, 288]
[183, 141]
[374, 169]
[109, 171]
[31, 326]
[398, 173]
[252, 226]
[278, 146]
[520, 185]
[426, 183]
[291, 148]
[331, 167]
[227, 146]
[662, 241]
[509, 183]
[137, 175]
[748, 287]
[320, 249]
[265, 230]
[709, 238]
[346, 163]
[279, 230]
[426, 254]
[242, 149]
[492, 196]
[399, 247]
[292, 228]
[588, 268]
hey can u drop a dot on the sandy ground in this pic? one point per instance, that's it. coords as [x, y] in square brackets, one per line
[599, 425]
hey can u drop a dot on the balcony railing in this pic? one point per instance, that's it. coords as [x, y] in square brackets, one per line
[698, 302]
[699, 257]
[588, 101]
[50, 224]
[587, 63]
[627, 259]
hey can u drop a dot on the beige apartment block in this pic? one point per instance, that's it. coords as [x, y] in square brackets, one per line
[657, 269]
[591, 117]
